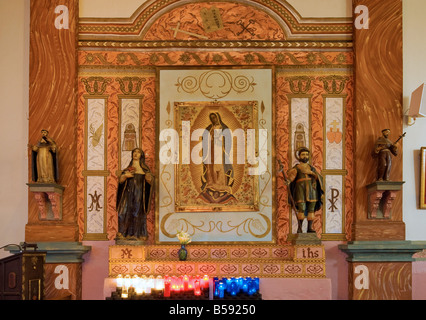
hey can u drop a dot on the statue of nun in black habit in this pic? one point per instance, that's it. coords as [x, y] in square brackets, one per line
[134, 198]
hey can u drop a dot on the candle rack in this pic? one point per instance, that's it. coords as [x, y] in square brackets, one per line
[168, 288]
[236, 288]
[158, 295]
[185, 287]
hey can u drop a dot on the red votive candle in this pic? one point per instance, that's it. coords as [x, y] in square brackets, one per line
[167, 289]
[185, 283]
[197, 290]
[205, 282]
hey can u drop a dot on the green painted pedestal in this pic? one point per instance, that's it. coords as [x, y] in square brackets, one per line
[381, 270]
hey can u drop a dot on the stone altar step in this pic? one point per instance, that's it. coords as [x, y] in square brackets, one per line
[214, 252]
[306, 261]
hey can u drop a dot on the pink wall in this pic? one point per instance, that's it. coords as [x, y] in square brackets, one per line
[419, 280]
[95, 269]
[336, 269]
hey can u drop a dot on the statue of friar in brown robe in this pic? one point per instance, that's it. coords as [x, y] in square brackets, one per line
[384, 149]
[44, 160]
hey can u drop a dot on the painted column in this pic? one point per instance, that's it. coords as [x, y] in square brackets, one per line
[300, 120]
[334, 168]
[378, 105]
[95, 165]
[380, 260]
[381, 270]
[53, 106]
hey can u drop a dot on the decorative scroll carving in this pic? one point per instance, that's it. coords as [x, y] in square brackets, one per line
[334, 84]
[388, 198]
[96, 85]
[215, 84]
[40, 198]
[55, 201]
[49, 200]
[380, 198]
[130, 85]
[374, 202]
[299, 84]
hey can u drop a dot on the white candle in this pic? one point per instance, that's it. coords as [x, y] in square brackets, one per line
[119, 281]
[149, 284]
[159, 283]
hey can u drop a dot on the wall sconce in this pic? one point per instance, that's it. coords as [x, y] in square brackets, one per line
[417, 105]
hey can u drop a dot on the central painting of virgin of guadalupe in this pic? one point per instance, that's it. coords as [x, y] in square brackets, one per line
[218, 140]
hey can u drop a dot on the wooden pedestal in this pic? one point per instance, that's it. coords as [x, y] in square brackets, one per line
[381, 270]
[49, 200]
[62, 269]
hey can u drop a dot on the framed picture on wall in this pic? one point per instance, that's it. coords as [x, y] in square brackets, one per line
[422, 178]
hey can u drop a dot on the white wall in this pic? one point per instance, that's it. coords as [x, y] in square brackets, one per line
[414, 26]
[323, 8]
[14, 68]
[113, 9]
[306, 8]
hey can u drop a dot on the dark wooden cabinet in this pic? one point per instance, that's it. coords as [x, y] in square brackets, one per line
[22, 276]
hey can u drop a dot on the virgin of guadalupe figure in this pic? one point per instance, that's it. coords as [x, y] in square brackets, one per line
[44, 160]
[134, 198]
[217, 177]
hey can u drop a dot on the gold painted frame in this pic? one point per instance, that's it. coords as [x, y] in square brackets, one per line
[291, 96]
[220, 107]
[342, 172]
[96, 173]
[422, 203]
[120, 111]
